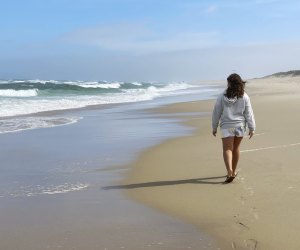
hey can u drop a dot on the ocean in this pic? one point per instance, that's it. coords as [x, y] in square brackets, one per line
[63, 142]
[25, 97]
[90, 121]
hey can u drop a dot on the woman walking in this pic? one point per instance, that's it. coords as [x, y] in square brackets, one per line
[234, 113]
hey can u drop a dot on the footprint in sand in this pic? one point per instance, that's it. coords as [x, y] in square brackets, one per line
[251, 244]
[253, 211]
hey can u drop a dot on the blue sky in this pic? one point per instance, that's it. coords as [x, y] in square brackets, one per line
[147, 40]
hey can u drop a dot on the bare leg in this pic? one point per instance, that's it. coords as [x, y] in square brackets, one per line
[227, 153]
[236, 153]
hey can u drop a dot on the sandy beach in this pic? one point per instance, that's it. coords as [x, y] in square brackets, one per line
[75, 186]
[183, 176]
[106, 138]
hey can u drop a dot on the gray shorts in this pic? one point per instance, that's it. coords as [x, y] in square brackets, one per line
[232, 132]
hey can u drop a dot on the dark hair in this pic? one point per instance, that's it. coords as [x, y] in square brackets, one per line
[235, 87]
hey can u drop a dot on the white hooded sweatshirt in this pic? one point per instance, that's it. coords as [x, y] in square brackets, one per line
[233, 112]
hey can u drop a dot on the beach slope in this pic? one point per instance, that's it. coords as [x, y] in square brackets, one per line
[184, 176]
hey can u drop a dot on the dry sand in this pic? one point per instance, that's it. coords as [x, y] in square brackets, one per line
[260, 209]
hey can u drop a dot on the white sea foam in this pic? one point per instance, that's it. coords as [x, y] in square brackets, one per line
[176, 86]
[29, 191]
[17, 81]
[71, 82]
[18, 93]
[155, 91]
[88, 82]
[101, 85]
[40, 103]
[40, 81]
[137, 83]
[25, 123]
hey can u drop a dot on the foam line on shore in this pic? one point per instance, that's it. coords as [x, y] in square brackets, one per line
[272, 147]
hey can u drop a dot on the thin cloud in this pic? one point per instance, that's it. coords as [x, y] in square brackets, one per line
[267, 1]
[140, 39]
[211, 9]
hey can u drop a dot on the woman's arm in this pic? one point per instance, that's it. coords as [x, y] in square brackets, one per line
[249, 115]
[216, 115]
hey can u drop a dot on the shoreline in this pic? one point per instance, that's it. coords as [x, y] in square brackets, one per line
[183, 176]
[42, 168]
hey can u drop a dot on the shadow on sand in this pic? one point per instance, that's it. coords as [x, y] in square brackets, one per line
[207, 180]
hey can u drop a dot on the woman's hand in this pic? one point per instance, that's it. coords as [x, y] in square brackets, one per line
[214, 132]
[251, 133]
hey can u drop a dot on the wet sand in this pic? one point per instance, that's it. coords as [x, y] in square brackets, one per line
[260, 209]
[52, 186]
